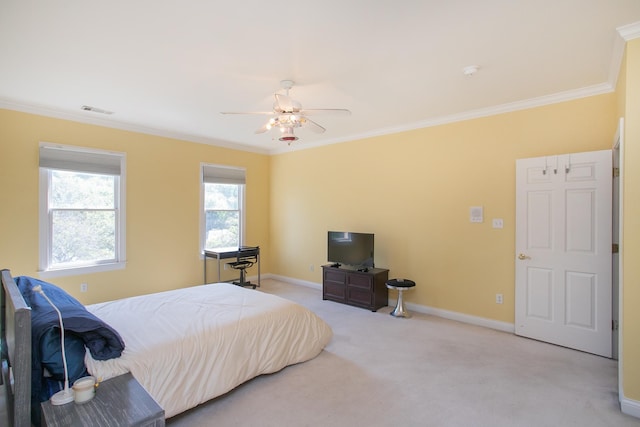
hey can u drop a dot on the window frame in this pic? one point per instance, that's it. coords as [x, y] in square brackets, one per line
[225, 175]
[83, 160]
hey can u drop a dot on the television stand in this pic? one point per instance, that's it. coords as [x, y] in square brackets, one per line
[365, 289]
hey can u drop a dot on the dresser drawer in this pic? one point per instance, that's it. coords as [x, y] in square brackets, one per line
[335, 276]
[360, 281]
[359, 296]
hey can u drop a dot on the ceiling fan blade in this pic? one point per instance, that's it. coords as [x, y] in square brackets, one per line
[264, 128]
[284, 104]
[333, 111]
[268, 113]
[311, 125]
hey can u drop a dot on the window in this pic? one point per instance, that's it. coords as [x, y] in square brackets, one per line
[81, 210]
[223, 206]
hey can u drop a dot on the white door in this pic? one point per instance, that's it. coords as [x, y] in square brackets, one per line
[563, 250]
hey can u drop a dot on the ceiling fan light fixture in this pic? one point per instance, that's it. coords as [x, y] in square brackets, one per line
[287, 135]
[287, 115]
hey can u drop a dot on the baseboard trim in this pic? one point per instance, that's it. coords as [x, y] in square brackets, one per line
[630, 407]
[461, 317]
[446, 314]
[293, 281]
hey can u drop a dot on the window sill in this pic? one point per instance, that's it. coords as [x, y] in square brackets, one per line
[74, 271]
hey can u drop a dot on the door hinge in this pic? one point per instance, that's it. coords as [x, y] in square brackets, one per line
[616, 172]
[614, 325]
[615, 248]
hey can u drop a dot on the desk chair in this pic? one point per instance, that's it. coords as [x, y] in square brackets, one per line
[247, 257]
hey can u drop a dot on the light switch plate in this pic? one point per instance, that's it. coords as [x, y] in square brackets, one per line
[476, 214]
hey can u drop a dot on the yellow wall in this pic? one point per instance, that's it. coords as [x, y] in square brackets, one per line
[162, 196]
[414, 191]
[631, 232]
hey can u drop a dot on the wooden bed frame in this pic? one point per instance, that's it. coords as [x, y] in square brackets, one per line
[16, 352]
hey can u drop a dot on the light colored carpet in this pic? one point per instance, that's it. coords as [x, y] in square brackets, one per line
[425, 371]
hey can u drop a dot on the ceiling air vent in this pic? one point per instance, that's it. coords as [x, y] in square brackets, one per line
[95, 109]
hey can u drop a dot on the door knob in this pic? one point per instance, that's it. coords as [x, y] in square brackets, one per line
[523, 256]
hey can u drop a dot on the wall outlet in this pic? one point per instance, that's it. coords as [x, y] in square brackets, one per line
[498, 298]
[84, 287]
[498, 223]
[226, 266]
[311, 268]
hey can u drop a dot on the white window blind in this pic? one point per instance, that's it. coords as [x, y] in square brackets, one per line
[223, 175]
[79, 160]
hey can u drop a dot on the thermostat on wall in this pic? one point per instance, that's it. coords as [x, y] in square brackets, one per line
[476, 214]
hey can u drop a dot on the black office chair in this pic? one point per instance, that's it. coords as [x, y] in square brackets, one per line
[247, 257]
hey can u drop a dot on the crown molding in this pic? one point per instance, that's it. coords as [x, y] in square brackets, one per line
[629, 32]
[555, 98]
[470, 115]
[624, 34]
[99, 121]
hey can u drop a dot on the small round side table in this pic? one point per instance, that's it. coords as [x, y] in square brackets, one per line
[400, 285]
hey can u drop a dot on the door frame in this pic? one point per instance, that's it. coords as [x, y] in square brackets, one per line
[618, 224]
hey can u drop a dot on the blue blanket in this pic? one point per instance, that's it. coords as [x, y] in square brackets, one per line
[81, 329]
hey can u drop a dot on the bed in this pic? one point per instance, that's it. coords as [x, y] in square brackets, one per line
[184, 346]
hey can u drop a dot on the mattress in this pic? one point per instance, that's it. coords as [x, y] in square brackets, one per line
[190, 345]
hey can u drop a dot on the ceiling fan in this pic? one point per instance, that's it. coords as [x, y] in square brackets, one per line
[288, 114]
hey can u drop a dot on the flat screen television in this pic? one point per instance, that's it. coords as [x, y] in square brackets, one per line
[352, 249]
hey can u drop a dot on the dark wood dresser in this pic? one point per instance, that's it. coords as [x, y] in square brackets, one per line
[366, 289]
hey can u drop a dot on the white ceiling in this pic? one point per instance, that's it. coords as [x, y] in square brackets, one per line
[169, 67]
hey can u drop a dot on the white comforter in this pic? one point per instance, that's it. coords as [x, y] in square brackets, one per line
[190, 345]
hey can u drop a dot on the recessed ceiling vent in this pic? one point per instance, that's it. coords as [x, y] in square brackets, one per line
[470, 70]
[95, 110]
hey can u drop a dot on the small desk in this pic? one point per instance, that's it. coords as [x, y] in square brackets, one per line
[226, 253]
[120, 401]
